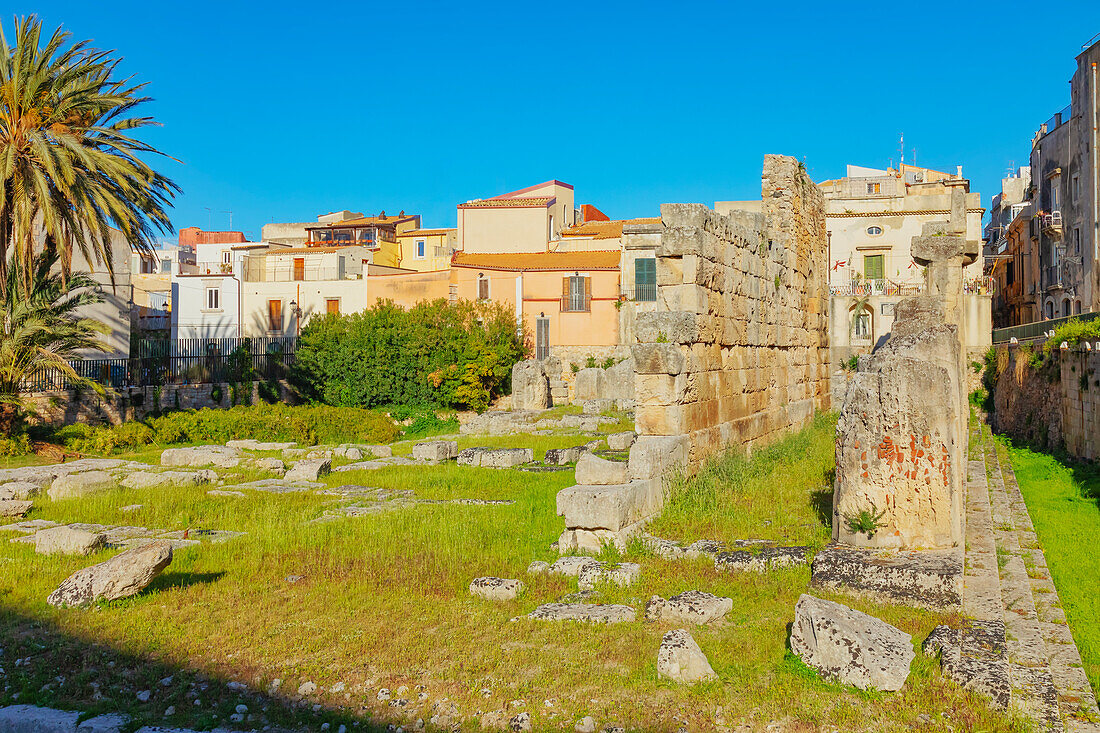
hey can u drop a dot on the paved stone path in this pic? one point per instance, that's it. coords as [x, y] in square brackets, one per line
[1007, 581]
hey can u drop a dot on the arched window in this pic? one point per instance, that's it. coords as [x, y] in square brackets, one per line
[863, 322]
[874, 231]
[1065, 307]
[1077, 307]
[1050, 309]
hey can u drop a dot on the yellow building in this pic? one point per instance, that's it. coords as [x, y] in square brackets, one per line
[425, 250]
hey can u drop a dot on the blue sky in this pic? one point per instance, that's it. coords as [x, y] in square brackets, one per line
[281, 111]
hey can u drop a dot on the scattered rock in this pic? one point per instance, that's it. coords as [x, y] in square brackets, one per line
[125, 574]
[495, 457]
[14, 507]
[520, 723]
[219, 456]
[144, 696]
[849, 646]
[19, 490]
[67, 541]
[20, 718]
[306, 688]
[383, 694]
[689, 607]
[257, 445]
[768, 558]
[435, 450]
[592, 612]
[309, 470]
[571, 565]
[585, 725]
[152, 479]
[622, 574]
[681, 660]
[80, 484]
[538, 567]
[274, 465]
[564, 456]
[108, 723]
[621, 441]
[224, 492]
[496, 589]
[595, 471]
[130, 508]
[974, 657]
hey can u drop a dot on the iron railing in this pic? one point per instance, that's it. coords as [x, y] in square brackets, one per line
[875, 287]
[1035, 330]
[160, 362]
[644, 292]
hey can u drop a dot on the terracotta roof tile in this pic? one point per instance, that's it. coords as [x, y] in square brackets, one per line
[520, 262]
[605, 229]
[424, 232]
[516, 203]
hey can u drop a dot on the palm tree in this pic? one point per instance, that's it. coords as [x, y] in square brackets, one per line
[69, 168]
[43, 329]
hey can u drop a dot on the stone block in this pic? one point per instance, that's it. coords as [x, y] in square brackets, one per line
[587, 612]
[621, 441]
[219, 456]
[495, 457]
[65, 540]
[80, 484]
[613, 508]
[658, 358]
[596, 407]
[496, 589]
[32, 719]
[596, 471]
[309, 470]
[588, 384]
[530, 386]
[689, 607]
[19, 490]
[652, 456]
[674, 327]
[435, 450]
[681, 660]
[564, 456]
[124, 575]
[620, 574]
[14, 507]
[925, 578]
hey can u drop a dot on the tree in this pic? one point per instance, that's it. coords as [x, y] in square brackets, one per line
[43, 329]
[70, 170]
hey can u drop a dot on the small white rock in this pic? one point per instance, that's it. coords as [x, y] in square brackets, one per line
[144, 696]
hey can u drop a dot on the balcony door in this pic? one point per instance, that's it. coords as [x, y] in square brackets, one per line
[542, 338]
[299, 268]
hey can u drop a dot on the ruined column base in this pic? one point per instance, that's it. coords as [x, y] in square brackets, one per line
[930, 579]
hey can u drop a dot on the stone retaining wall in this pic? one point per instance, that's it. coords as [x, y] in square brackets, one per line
[737, 350]
[66, 407]
[1057, 407]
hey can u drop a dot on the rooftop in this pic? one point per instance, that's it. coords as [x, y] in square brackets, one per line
[425, 232]
[539, 261]
[365, 221]
[537, 202]
[605, 229]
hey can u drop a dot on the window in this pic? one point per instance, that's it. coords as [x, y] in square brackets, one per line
[420, 247]
[576, 293]
[861, 324]
[1077, 240]
[873, 267]
[1065, 307]
[299, 268]
[874, 231]
[1075, 187]
[550, 234]
[213, 299]
[645, 279]
[166, 266]
[874, 188]
[1010, 273]
[1076, 307]
[332, 306]
[274, 315]
[887, 309]
[482, 287]
[1055, 193]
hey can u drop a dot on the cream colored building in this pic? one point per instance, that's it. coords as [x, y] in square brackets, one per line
[426, 250]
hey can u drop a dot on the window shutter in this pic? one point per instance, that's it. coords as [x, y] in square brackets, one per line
[587, 287]
[565, 287]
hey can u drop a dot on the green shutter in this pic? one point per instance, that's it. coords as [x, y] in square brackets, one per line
[645, 279]
[873, 267]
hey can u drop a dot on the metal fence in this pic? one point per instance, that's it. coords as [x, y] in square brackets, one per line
[1036, 330]
[160, 362]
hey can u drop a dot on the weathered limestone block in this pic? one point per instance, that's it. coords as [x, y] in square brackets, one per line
[926, 578]
[252, 444]
[849, 646]
[530, 386]
[219, 456]
[588, 384]
[435, 450]
[596, 471]
[80, 484]
[495, 457]
[609, 507]
[590, 612]
[19, 490]
[681, 660]
[689, 607]
[33, 719]
[571, 565]
[67, 541]
[275, 465]
[564, 456]
[621, 441]
[621, 574]
[309, 470]
[125, 574]
[496, 589]
[151, 479]
[14, 507]
[900, 449]
[768, 558]
[652, 456]
[593, 540]
[974, 657]
[618, 382]
[658, 358]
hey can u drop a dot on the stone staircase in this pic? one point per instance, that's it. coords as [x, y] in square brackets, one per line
[1018, 636]
[559, 390]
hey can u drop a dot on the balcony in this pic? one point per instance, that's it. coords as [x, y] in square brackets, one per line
[861, 288]
[1052, 224]
[206, 268]
[643, 293]
[576, 303]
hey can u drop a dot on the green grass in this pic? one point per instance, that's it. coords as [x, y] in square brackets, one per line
[383, 602]
[1064, 504]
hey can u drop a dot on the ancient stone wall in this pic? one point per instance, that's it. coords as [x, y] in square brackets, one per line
[737, 350]
[1056, 407]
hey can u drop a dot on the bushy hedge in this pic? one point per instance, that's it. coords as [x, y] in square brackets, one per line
[306, 425]
[436, 353]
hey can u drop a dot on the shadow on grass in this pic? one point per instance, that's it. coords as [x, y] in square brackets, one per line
[822, 499]
[51, 668]
[1086, 475]
[169, 579]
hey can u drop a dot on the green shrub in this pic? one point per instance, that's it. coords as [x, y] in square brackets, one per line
[436, 353]
[1073, 332]
[306, 425]
[15, 445]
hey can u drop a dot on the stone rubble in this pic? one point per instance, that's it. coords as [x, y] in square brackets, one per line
[125, 574]
[496, 589]
[14, 507]
[974, 657]
[689, 607]
[622, 574]
[589, 612]
[849, 646]
[681, 660]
